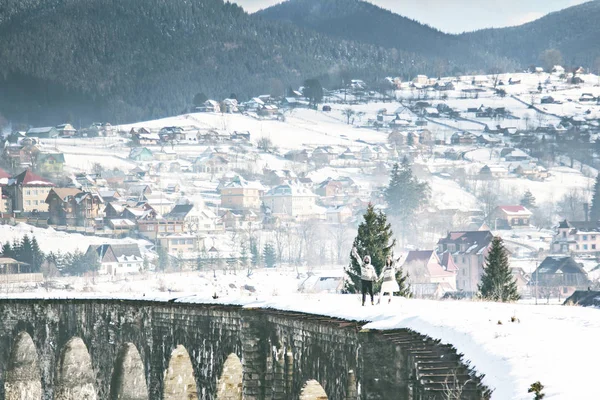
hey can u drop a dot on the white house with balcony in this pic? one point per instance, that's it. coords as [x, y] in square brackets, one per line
[293, 201]
[577, 237]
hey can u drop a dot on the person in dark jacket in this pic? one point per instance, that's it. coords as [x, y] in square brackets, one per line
[367, 275]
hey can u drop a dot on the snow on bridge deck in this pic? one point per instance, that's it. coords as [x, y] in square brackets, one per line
[555, 345]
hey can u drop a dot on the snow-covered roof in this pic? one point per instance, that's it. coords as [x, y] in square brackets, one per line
[517, 211]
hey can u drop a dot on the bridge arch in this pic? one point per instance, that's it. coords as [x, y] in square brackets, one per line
[23, 378]
[75, 376]
[313, 390]
[180, 383]
[128, 378]
[229, 386]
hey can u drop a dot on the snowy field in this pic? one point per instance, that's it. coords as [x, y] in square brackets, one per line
[301, 128]
[55, 241]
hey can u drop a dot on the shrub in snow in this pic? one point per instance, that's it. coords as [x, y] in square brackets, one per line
[537, 388]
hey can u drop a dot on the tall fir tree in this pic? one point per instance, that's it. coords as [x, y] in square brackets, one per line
[595, 209]
[404, 196]
[375, 239]
[528, 200]
[497, 282]
[7, 250]
[269, 255]
[37, 256]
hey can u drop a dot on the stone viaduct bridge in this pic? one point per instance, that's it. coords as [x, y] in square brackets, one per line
[90, 349]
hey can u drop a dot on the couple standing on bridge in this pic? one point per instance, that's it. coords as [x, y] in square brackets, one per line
[368, 275]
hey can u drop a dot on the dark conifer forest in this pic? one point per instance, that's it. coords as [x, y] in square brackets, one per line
[111, 60]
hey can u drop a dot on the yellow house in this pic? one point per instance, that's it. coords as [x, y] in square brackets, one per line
[28, 192]
[240, 194]
[178, 243]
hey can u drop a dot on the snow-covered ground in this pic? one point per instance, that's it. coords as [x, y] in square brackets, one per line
[51, 240]
[513, 345]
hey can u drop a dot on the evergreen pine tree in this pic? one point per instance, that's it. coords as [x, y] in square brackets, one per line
[269, 255]
[375, 239]
[37, 256]
[404, 195]
[25, 252]
[595, 209]
[497, 282]
[255, 253]
[528, 200]
[7, 250]
[163, 258]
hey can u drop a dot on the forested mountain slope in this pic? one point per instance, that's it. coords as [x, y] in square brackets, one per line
[126, 60]
[574, 31]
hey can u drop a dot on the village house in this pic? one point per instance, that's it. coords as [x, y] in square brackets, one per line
[13, 271]
[66, 130]
[323, 155]
[177, 243]
[209, 106]
[109, 195]
[5, 201]
[469, 250]
[516, 155]
[50, 163]
[531, 171]
[28, 192]
[577, 237]
[117, 259]
[424, 268]
[338, 215]
[141, 154]
[165, 155]
[159, 202]
[511, 217]
[297, 155]
[212, 164]
[292, 201]
[47, 132]
[143, 137]
[120, 227]
[493, 172]
[152, 228]
[235, 220]
[463, 138]
[278, 177]
[72, 207]
[239, 194]
[561, 273]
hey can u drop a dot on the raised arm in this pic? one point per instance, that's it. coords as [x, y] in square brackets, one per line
[357, 257]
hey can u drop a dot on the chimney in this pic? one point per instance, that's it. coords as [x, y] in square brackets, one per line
[585, 210]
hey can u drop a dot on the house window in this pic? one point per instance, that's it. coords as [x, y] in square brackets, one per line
[463, 259]
[28, 192]
[585, 246]
[564, 234]
[577, 247]
[593, 237]
[35, 202]
[28, 202]
[584, 237]
[593, 247]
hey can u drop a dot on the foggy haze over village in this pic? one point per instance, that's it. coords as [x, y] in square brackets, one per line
[309, 199]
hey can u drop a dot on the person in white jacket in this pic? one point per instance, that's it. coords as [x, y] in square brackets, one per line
[388, 275]
[367, 275]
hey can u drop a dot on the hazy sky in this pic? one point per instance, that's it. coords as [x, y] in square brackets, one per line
[458, 15]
